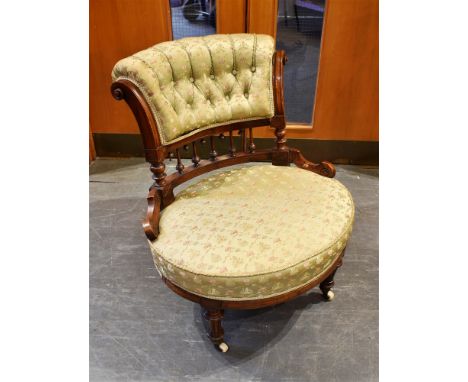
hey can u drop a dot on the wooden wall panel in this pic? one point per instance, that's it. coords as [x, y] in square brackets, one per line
[119, 28]
[261, 16]
[347, 87]
[231, 16]
[347, 103]
[347, 98]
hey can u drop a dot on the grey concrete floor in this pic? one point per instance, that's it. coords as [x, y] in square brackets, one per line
[142, 331]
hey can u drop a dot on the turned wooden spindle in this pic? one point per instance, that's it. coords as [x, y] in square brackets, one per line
[195, 157]
[180, 166]
[251, 141]
[243, 140]
[280, 139]
[158, 168]
[214, 318]
[159, 173]
[279, 123]
[232, 149]
[213, 153]
[171, 156]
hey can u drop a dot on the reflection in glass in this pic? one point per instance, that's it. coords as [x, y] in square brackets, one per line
[299, 33]
[193, 18]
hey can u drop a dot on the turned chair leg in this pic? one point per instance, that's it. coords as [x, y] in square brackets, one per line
[216, 331]
[327, 284]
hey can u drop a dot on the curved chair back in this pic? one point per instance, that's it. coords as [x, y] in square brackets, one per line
[198, 83]
[182, 92]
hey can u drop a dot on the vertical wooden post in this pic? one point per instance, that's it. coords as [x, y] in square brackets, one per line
[180, 166]
[251, 141]
[279, 123]
[214, 317]
[232, 149]
[243, 140]
[158, 168]
[195, 157]
[213, 153]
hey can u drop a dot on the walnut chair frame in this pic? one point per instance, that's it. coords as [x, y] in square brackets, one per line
[161, 193]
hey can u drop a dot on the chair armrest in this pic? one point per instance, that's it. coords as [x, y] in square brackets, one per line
[151, 222]
[284, 152]
[323, 168]
[279, 60]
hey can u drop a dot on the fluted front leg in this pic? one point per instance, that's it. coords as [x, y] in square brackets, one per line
[216, 331]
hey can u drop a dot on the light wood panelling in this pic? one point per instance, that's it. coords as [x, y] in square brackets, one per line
[231, 16]
[347, 98]
[347, 92]
[119, 28]
[347, 87]
[261, 16]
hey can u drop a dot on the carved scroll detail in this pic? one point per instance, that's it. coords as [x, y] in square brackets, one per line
[323, 168]
[151, 222]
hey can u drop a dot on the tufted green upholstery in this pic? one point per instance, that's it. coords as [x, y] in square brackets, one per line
[200, 82]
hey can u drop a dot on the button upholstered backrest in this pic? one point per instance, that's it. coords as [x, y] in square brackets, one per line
[201, 82]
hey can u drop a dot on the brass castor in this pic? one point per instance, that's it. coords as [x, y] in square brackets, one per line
[223, 347]
[327, 284]
[330, 295]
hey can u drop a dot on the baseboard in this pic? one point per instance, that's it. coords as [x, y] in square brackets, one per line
[118, 145]
[342, 152]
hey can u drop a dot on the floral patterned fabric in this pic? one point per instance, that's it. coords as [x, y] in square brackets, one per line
[253, 232]
[200, 82]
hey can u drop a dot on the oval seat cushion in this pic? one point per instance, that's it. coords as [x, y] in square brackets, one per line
[253, 232]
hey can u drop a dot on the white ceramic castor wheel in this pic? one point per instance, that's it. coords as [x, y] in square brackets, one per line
[330, 295]
[223, 347]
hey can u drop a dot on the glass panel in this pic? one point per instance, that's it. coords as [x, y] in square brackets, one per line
[193, 17]
[299, 33]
